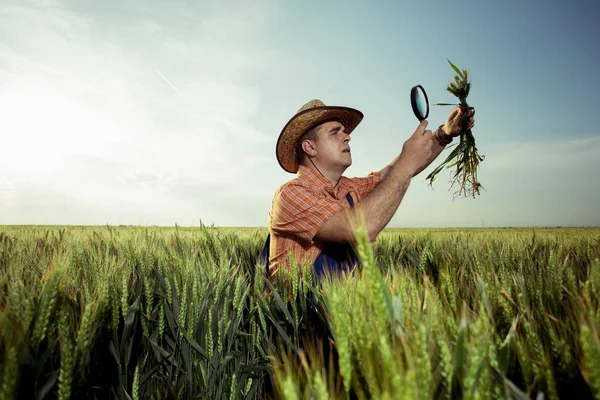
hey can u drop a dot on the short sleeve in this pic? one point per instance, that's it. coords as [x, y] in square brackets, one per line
[299, 211]
[365, 185]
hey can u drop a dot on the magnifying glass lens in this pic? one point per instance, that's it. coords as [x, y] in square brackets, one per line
[419, 102]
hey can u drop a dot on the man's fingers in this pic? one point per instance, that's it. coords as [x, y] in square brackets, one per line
[421, 127]
[457, 115]
[454, 113]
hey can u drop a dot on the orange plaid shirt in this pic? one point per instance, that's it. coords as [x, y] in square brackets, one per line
[301, 207]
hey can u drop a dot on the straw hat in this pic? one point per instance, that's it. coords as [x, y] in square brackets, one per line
[308, 116]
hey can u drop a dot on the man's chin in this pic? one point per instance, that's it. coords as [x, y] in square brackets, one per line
[346, 162]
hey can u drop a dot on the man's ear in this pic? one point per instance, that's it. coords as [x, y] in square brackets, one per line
[309, 147]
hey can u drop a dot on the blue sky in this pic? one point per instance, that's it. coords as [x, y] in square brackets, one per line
[158, 113]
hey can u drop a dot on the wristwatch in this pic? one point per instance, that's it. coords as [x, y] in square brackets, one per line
[441, 136]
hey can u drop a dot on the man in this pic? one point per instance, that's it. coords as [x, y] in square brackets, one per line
[308, 219]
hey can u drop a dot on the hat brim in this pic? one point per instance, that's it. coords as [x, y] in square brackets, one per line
[300, 123]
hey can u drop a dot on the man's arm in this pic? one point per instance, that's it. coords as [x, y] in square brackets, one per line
[379, 206]
[437, 149]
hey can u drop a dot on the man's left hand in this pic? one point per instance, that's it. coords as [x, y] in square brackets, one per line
[453, 126]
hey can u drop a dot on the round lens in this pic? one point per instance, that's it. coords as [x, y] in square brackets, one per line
[419, 102]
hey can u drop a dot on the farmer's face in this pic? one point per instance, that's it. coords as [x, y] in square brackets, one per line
[332, 147]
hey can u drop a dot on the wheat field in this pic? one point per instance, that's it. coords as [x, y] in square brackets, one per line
[154, 313]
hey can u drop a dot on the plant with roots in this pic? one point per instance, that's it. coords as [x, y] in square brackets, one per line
[464, 157]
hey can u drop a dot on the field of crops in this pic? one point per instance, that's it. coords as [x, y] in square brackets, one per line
[149, 312]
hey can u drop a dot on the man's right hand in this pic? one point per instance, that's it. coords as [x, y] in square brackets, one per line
[419, 150]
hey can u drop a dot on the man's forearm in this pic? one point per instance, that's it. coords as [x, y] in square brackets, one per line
[381, 204]
[377, 207]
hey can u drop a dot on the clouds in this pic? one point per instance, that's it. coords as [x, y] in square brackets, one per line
[527, 183]
[161, 112]
[551, 153]
[6, 185]
[109, 101]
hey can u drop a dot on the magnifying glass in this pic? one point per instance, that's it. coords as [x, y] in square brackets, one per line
[419, 102]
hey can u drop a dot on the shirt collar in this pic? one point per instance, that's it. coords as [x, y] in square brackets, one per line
[317, 181]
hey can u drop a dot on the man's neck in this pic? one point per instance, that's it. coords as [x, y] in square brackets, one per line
[331, 176]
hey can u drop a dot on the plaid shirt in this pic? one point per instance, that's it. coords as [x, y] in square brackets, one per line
[301, 207]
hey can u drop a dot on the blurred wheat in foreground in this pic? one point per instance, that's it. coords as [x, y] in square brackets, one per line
[180, 313]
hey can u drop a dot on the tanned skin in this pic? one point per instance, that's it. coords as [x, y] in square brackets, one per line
[330, 155]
